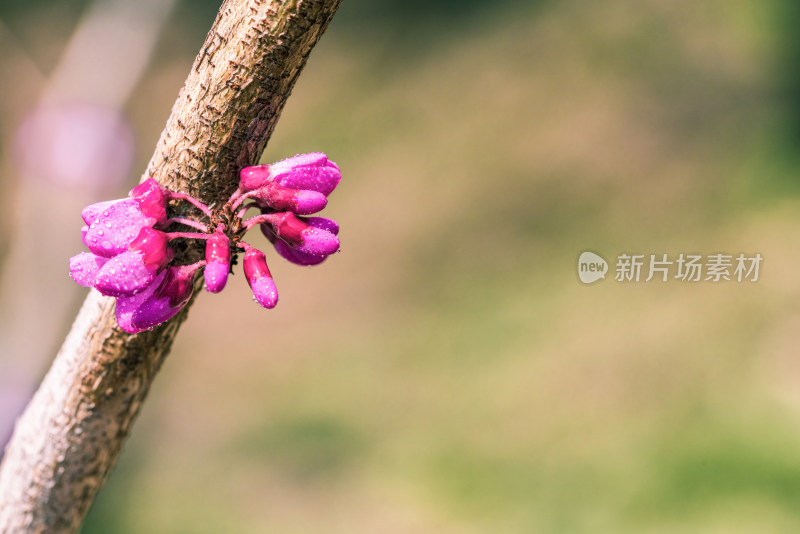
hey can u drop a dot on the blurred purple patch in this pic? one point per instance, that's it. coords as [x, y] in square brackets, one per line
[75, 145]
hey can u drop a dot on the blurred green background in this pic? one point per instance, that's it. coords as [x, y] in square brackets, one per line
[448, 372]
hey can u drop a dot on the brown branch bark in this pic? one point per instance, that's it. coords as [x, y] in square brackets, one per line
[68, 439]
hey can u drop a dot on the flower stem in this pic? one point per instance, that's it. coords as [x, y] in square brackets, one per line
[187, 235]
[190, 199]
[258, 219]
[237, 200]
[188, 222]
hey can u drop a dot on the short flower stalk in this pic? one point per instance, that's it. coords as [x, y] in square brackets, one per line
[130, 257]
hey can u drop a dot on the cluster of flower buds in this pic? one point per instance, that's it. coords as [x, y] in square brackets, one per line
[131, 259]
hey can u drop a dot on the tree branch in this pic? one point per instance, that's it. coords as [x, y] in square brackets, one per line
[69, 438]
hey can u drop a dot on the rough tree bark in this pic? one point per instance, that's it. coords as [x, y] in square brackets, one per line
[68, 439]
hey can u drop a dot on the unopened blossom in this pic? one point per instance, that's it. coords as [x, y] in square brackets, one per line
[310, 172]
[299, 235]
[161, 300]
[131, 259]
[294, 255]
[258, 277]
[218, 260]
[113, 225]
[132, 271]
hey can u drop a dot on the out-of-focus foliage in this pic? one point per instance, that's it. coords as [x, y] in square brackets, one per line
[447, 372]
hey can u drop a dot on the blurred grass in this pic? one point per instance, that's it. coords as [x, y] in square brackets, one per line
[447, 372]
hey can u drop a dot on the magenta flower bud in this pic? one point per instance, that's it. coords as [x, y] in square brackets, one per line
[114, 227]
[323, 223]
[129, 305]
[129, 273]
[302, 236]
[154, 246]
[114, 224]
[160, 301]
[307, 171]
[84, 267]
[295, 256]
[92, 212]
[294, 200]
[258, 276]
[255, 177]
[152, 200]
[178, 285]
[218, 261]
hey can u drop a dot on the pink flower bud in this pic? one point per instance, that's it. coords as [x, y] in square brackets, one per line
[114, 227]
[129, 273]
[295, 256]
[178, 285]
[152, 200]
[323, 223]
[93, 211]
[258, 276]
[307, 171]
[255, 177]
[160, 301]
[154, 246]
[295, 200]
[84, 267]
[218, 261]
[302, 236]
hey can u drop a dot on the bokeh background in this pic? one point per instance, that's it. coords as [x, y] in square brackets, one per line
[447, 372]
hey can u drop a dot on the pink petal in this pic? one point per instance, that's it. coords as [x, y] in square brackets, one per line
[254, 177]
[218, 260]
[318, 242]
[154, 246]
[84, 267]
[154, 311]
[307, 171]
[295, 200]
[216, 274]
[152, 200]
[309, 202]
[265, 292]
[323, 223]
[124, 275]
[116, 227]
[312, 159]
[297, 257]
[127, 306]
[92, 212]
